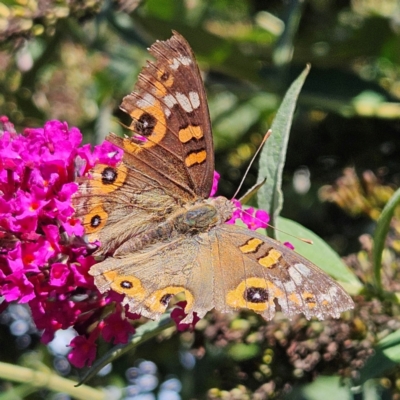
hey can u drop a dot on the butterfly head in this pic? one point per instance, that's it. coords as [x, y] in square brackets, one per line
[224, 207]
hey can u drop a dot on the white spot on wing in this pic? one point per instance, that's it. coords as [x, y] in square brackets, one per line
[181, 60]
[185, 60]
[295, 275]
[147, 100]
[325, 297]
[303, 269]
[333, 291]
[289, 286]
[175, 64]
[167, 112]
[184, 102]
[194, 99]
[170, 100]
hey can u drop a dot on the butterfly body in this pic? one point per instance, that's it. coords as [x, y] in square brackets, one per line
[189, 220]
[160, 232]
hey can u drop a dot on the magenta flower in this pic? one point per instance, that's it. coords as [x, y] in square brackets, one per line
[117, 328]
[40, 264]
[255, 220]
[215, 183]
[178, 314]
[83, 351]
[289, 245]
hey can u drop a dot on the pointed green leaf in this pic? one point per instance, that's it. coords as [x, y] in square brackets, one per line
[380, 234]
[272, 159]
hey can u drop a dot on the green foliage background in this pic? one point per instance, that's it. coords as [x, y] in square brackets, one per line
[75, 61]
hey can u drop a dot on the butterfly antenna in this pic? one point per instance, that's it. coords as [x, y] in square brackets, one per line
[266, 136]
[304, 240]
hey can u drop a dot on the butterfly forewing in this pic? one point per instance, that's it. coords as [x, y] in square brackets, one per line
[169, 110]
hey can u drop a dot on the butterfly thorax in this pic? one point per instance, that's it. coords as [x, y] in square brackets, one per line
[203, 215]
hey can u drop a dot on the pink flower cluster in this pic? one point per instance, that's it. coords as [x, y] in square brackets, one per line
[44, 260]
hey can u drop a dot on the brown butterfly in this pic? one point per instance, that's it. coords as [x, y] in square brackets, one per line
[161, 235]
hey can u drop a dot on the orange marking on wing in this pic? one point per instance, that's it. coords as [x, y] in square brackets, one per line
[136, 290]
[110, 275]
[189, 133]
[96, 182]
[271, 259]
[196, 158]
[161, 85]
[96, 212]
[159, 129]
[294, 297]
[251, 246]
[236, 297]
[154, 304]
[309, 297]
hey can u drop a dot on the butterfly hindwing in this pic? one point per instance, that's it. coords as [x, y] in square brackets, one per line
[150, 278]
[228, 268]
[264, 274]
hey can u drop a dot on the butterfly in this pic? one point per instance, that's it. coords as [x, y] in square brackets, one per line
[160, 232]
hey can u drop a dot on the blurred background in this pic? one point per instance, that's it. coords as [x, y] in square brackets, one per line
[75, 60]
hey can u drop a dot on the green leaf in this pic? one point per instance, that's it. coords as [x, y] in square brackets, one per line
[272, 159]
[324, 387]
[144, 333]
[320, 253]
[386, 356]
[335, 387]
[380, 234]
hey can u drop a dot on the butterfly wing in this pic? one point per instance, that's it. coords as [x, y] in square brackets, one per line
[268, 274]
[170, 114]
[118, 203]
[172, 161]
[151, 277]
[228, 268]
